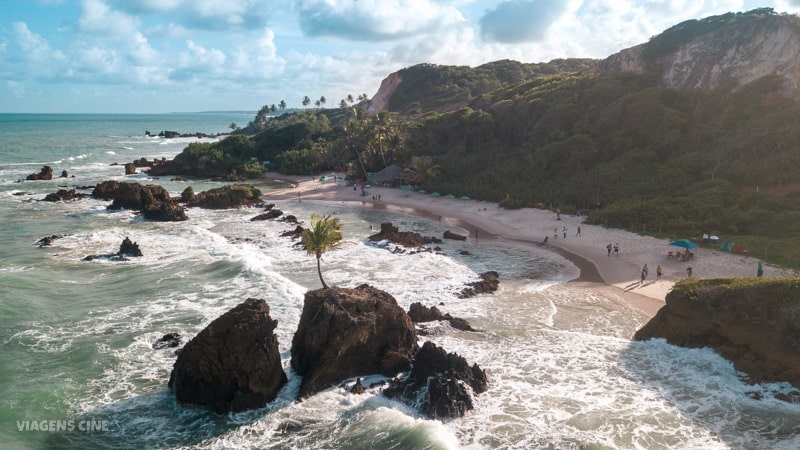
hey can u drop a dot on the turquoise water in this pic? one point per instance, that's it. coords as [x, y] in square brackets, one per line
[77, 368]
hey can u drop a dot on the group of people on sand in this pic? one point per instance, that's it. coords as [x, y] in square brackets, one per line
[614, 247]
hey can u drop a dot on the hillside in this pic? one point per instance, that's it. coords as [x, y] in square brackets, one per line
[671, 137]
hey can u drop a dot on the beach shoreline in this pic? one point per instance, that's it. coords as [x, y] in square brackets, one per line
[528, 227]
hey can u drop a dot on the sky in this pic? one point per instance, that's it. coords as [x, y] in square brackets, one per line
[159, 56]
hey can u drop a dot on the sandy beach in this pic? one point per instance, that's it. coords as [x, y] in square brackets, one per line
[527, 227]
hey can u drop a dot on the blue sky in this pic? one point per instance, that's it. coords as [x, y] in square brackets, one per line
[143, 56]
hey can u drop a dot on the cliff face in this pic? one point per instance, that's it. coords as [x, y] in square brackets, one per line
[381, 99]
[723, 51]
[751, 321]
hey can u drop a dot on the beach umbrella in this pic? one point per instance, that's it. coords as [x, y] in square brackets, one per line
[435, 194]
[405, 187]
[422, 191]
[449, 196]
[685, 243]
[463, 197]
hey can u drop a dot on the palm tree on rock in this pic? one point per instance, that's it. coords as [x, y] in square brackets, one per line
[325, 234]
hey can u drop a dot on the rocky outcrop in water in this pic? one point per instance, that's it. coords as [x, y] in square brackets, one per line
[231, 196]
[45, 174]
[394, 235]
[349, 332]
[454, 236]
[127, 249]
[419, 313]
[754, 322]
[169, 340]
[233, 364]
[439, 383]
[488, 283]
[62, 195]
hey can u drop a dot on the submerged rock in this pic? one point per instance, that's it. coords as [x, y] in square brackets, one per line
[404, 238]
[233, 364]
[169, 340]
[349, 332]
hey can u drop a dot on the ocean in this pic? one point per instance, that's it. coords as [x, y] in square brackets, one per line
[77, 367]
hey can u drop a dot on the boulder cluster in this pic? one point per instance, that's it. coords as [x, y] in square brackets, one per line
[343, 333]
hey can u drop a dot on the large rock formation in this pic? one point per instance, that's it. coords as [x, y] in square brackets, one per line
[233, 364]
[488, 283]
[437, 384]
[153, 201]
[349, 332]
[232, 196]
[393, 234]
[754, 322]
[729, 51]
[45, 174]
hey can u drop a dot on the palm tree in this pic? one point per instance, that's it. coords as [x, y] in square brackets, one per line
[350, 99]
[306, 101]
[422, 170]
[322, 100]
[325, 234]
[282, 105]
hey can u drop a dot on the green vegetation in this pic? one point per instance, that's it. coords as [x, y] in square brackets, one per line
[656, 161]
[325, 234]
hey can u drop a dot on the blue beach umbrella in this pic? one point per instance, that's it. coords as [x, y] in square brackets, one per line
[685, 243]
[463, 197]
[422, 191]
[406, 187]
[435, 194]
[449, 196]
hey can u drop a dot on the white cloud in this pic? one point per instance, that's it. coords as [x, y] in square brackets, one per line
[40, 59]
[140, 53]
[97, 17]
[371, 20]
[205, 14]
[516, 21]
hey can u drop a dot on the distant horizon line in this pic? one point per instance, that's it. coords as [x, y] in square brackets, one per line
[142, 113]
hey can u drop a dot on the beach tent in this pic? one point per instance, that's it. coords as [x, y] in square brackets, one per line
[435, 194]
[422, 191]
[685, 243]
[463, 197]
[449, 196]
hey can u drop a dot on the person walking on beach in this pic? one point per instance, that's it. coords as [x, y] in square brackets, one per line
[555, 233]
[759, 270]
[565, 232]
[658, 271]
[608, 247]
[579, 232]
[689, 272]
[616, 249]
[644, 273]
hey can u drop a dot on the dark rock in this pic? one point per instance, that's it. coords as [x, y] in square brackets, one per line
[419, 314]
[457, 237]
[45, 174]
[489, 283]
[290, 219]
[233, 196]
[48, 240]
[64, 174]
[129, 248]
[404, 238]
[358, 388]
[269, 215]
[130, 169]
[297, 233]
[167, 341]
[62, 195]
[754, 322]
[233, 364]
[348, 332]
[437, 384]
[187, 196]
[152, 200]
[165, 212]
